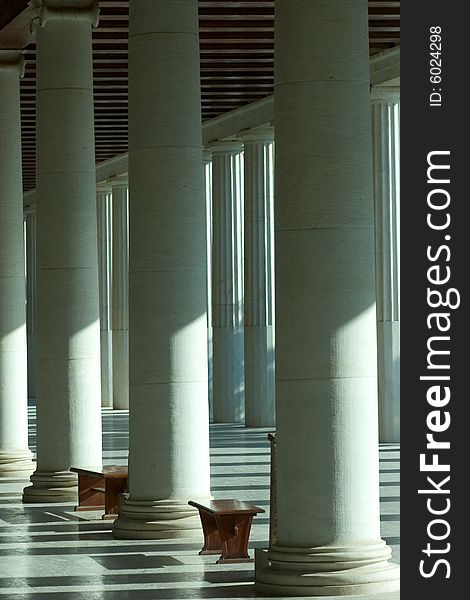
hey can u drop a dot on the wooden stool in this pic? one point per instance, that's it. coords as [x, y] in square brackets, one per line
[226, 525]
[99, 488]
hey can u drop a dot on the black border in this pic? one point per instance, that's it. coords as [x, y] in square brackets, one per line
[425, 129]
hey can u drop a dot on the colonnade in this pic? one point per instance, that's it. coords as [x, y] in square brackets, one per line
[244, 360]
[328, 527]
[256, 189]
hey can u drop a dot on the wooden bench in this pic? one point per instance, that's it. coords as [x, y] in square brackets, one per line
[99, 488]
[226, 525]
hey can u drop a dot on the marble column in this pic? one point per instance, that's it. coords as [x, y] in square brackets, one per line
[259, 278]
[31, 327]
[103, 213]
[328, 519]
[386, 177]
[120, 292]
[227, 282]
[168, 412]
[68, 337]
[15, 456]
[207, 169]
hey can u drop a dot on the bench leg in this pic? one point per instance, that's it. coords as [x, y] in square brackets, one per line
[89, 497]
[212, 543]
[113, 486]
[234, 534]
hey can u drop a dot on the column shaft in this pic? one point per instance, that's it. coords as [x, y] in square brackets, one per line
[227, 282]
[15, 457]
[259, 279]
[386, 165]
[328, 519]
[168, 428]
[103, 206]
[68, 338]
[120, 294]
[207, 169]
[31, 327]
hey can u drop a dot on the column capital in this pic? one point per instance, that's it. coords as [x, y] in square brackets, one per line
[118, 181]
[206, 157]
[103, 187]
[29, 210]
[261, 134]
[43, 11]
[12, 60]
[225, 146]
[385, 94]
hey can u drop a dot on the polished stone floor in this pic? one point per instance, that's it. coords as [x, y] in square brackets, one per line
[48, 552]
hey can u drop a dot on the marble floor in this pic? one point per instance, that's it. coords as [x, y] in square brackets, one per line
[48, 552]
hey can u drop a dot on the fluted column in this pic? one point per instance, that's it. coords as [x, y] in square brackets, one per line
[328, 516]
[207, 169]
[259, 278]
[15, 456]
[103, 212]
[227, 281]
[68, 337]
[168, 408]
[386, 171]
[120, 292]
[31, 326]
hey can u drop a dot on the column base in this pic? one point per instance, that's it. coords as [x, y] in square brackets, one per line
[58, 486]
[16, 464]
[325, 571]
[161, 519]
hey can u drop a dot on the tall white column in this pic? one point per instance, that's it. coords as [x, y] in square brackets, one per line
[169, 425]
[31, 327]
[120, 292]
[207, 169]
[386, 170]
[227, 282]
[328, 520]
[68, 338]
[15, 456]
[103, 212]
[259, 278]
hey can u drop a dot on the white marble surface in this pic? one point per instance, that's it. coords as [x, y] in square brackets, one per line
[49, 552]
